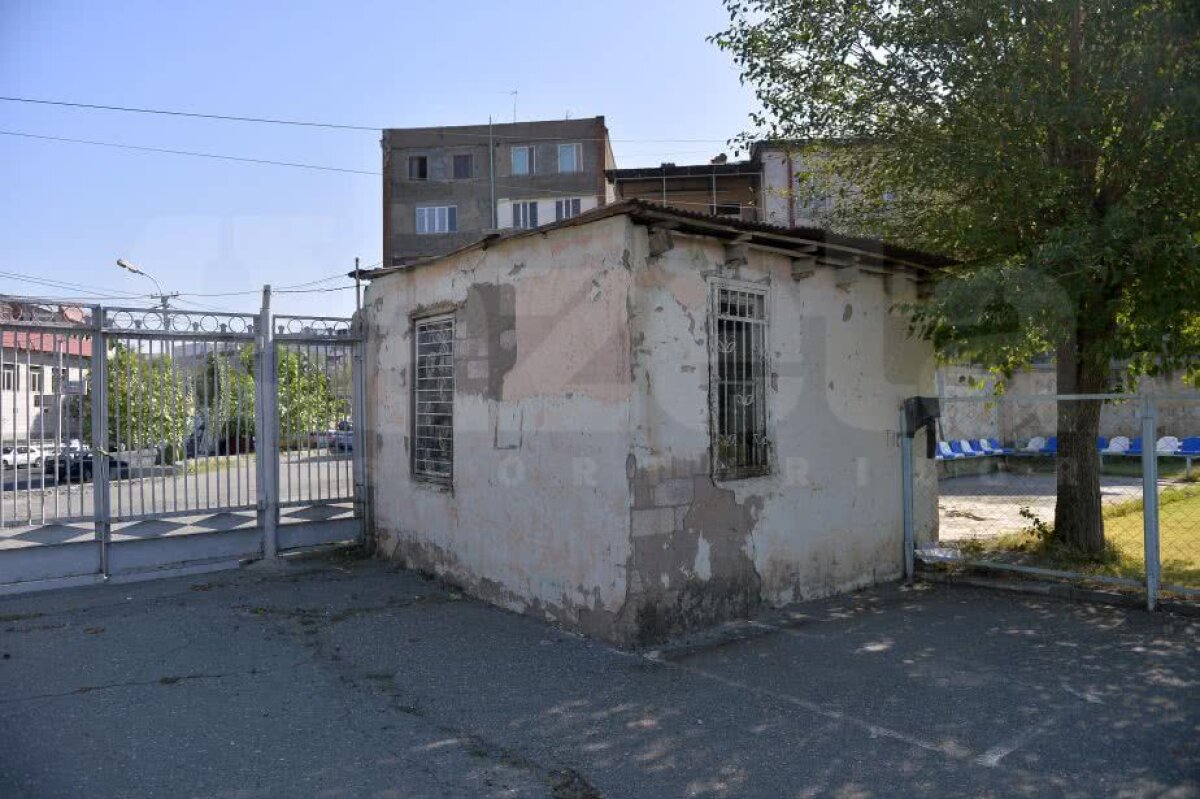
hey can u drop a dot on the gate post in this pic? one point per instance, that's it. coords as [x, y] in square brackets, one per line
[1150, 497]
[267, 447]
[359, 457]
[101, 513]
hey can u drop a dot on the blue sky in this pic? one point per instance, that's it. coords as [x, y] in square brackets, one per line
[203, 226]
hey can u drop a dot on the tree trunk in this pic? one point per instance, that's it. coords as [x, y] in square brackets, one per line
[1077, 519]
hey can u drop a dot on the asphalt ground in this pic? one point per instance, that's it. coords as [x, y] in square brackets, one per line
[352, 678]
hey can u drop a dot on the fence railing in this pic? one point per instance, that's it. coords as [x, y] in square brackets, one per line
[1098, 488]
[123, 424]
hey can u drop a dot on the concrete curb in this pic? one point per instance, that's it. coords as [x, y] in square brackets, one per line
[1067, 591]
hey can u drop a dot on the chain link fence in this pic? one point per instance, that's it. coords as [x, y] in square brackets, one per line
[1102, 488]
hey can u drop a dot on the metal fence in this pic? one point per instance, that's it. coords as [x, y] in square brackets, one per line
[134, 438]
[1019, 488]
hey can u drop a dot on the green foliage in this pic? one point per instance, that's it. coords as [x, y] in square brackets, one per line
[148, 405]
[1050, 147]
[308, 400]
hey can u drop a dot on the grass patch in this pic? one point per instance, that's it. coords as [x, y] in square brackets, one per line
[1124, 554]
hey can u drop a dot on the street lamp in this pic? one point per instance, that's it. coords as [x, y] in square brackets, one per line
[128, 267]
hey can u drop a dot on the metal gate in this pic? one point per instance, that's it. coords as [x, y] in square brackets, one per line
[144, 441]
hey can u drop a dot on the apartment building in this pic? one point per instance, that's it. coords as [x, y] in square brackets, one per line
[43, 376]
[720, 187]
[444, 187]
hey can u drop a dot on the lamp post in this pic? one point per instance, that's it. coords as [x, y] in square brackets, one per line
[162, 297]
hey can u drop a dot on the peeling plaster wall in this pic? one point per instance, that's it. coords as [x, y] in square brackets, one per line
[537, 518]
[828, 517]
[582, 489]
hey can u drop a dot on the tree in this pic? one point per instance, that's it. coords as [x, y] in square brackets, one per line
[1050, 147]
[148, 404]
[307, 397]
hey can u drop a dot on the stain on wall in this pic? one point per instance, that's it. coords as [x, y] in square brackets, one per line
[486, 340]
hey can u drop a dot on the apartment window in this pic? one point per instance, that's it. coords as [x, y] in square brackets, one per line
[738, 380]
[35, 380]
[433, 401]
[565, 209]
[522, 160]
[437, 219]
[525, 214]
[418, 167]
[727, 209]
[570, 158]
[9, 377]
[463, 166]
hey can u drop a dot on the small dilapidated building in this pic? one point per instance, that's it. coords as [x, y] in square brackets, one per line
[642, 420]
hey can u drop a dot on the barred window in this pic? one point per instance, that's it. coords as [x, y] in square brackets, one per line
[433, 399]
[738, 377]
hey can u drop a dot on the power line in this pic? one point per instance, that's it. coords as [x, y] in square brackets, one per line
[328, 125]
[94, 291]
[190, 153]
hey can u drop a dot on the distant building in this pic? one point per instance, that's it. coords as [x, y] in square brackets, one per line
[445, 187]
[720, 187]
[43, 375]
[791, 196]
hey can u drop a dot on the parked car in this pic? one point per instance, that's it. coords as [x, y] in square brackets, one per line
[78, 467]
[21, 455]
[60, 453]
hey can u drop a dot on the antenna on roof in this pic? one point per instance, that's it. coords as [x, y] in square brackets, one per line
[514, 94]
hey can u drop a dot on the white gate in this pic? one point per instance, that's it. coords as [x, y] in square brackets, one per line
[134, 440]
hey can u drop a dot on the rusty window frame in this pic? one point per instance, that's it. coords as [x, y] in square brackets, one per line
[433, 399]
[740, 446]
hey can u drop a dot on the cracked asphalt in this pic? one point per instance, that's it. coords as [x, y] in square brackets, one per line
[351, 678]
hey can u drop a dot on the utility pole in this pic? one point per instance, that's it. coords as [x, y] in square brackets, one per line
[492, 175]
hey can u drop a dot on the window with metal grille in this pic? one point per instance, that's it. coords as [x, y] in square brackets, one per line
[433, 399]
[738, 380]
[565, 209]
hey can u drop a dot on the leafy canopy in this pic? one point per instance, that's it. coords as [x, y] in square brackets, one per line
[1051, 147]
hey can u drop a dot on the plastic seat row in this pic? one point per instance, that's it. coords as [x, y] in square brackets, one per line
[1119, 445]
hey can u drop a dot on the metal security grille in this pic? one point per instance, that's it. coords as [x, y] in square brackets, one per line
[433, 418]
[738, 378]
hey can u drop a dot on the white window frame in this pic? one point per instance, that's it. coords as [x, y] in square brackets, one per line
[751, 459]
[8, 377]
[576, 149]
[567, 207]
[37, 380]
[435, 219]
[432, 465]
[530, 160]
[525, 214]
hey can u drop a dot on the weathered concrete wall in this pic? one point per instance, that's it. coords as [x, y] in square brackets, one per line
[1019, 420]
[537, 518]
[828, 517]
[582, 489]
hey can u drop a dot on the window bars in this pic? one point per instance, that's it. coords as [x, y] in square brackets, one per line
[433, 399]
[738, 373]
